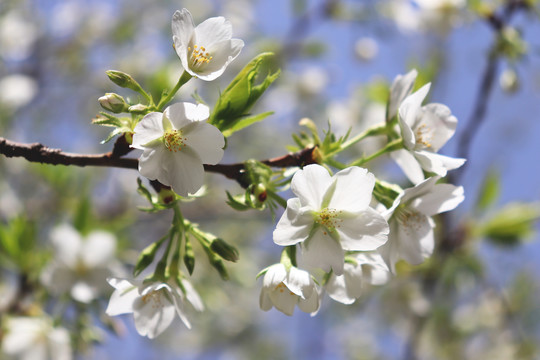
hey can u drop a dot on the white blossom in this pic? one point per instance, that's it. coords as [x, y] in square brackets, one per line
[425, 129]
[330, 215]
[402, 87]
[411, 226]
[207, 49]
[81, 265]
[176, 144]
[35, 338]
[285, 288]
[363, 269]
[153, 304]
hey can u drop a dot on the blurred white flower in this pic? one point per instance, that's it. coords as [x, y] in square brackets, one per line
[331, 214]
[176, 144]
[35, 338]
[17, 90]
[425, 129]
[411, 225]
[153, 304]
[9, 288]
[360, 271]
[205, 50]
[285, 288]
[402, 87]
[426, 15]
[18, 34]
[312, 81]
[366, 48]
[81, 265]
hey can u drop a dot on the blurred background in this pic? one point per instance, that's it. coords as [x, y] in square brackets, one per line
[476, 298]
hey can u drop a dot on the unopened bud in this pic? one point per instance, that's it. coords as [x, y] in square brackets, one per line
[138, 109]
[113, 103]
[260, 192]
[122, 79]
[224, 250]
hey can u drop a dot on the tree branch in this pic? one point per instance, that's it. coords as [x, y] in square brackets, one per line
[39, 153]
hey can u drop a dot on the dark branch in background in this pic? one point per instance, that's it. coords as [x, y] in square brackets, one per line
[455, 237]
[41, 154]
[498, 22]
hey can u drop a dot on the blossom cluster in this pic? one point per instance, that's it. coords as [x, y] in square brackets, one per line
[341, 234]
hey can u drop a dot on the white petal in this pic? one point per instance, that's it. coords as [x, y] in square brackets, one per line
[410, 237]
[182, 27]
[408, 163]
[337, 290]
[293, 226]
[440, 123]
[421, 189]
[122, 298]
[436, 163]
[67, 243]
[354, 278]
[213, 30]
[196, 112]
[274, 276]
[83, 292]
[444, 197]
[353, 189]
[401, 88]
[409, 139]
[265, 303]
[147, 130]
[374, 269]
[310, 185]
[321, 251]
[411, 106]
[179, 307]
[153, 317]
[179, 114]
[206, 140]
[365, 231]
[98, 248]
[185, 172]
[299, 282]
[152, 162]
[284, 300]
[193, 296]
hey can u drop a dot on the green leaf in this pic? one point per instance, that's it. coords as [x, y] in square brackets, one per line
[245, 122]
[512, 224]
[239, 97]
[489, 191]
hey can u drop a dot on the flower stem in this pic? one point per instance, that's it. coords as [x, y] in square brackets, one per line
[378, 129]
[391, 146]
[184, 78]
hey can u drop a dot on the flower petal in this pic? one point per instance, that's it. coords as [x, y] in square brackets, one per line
[365, 231]
[274, 276]
[441, 124]
[182, 27]
[337, 290]
[321, 251]
[293, 226]
[410, 166]
[284, 300]
[411, 106]
[206, 140]
[213, 30]
[147, 130]
[67, 243]
[185, 172]
[153, 316]
[353, 189]
[152, 163]
[122, 298]
[436, 163]
[299, 282]
[400, 89]
[179, 114]
[310, 185]
[311, 304]
[444, 197]
[265, 303]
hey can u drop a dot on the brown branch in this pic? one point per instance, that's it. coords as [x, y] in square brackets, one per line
[39, 153]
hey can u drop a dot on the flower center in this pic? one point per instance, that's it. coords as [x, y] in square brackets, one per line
[329, 218]
[173, 140]
[154, 298]
[423, 135]
[199, 56]
[281, 287]
[410, 219]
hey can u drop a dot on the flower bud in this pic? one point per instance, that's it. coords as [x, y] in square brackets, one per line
[166, 195]
[224, 250]
[122, 79]
[138, 109]
[113, 103]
